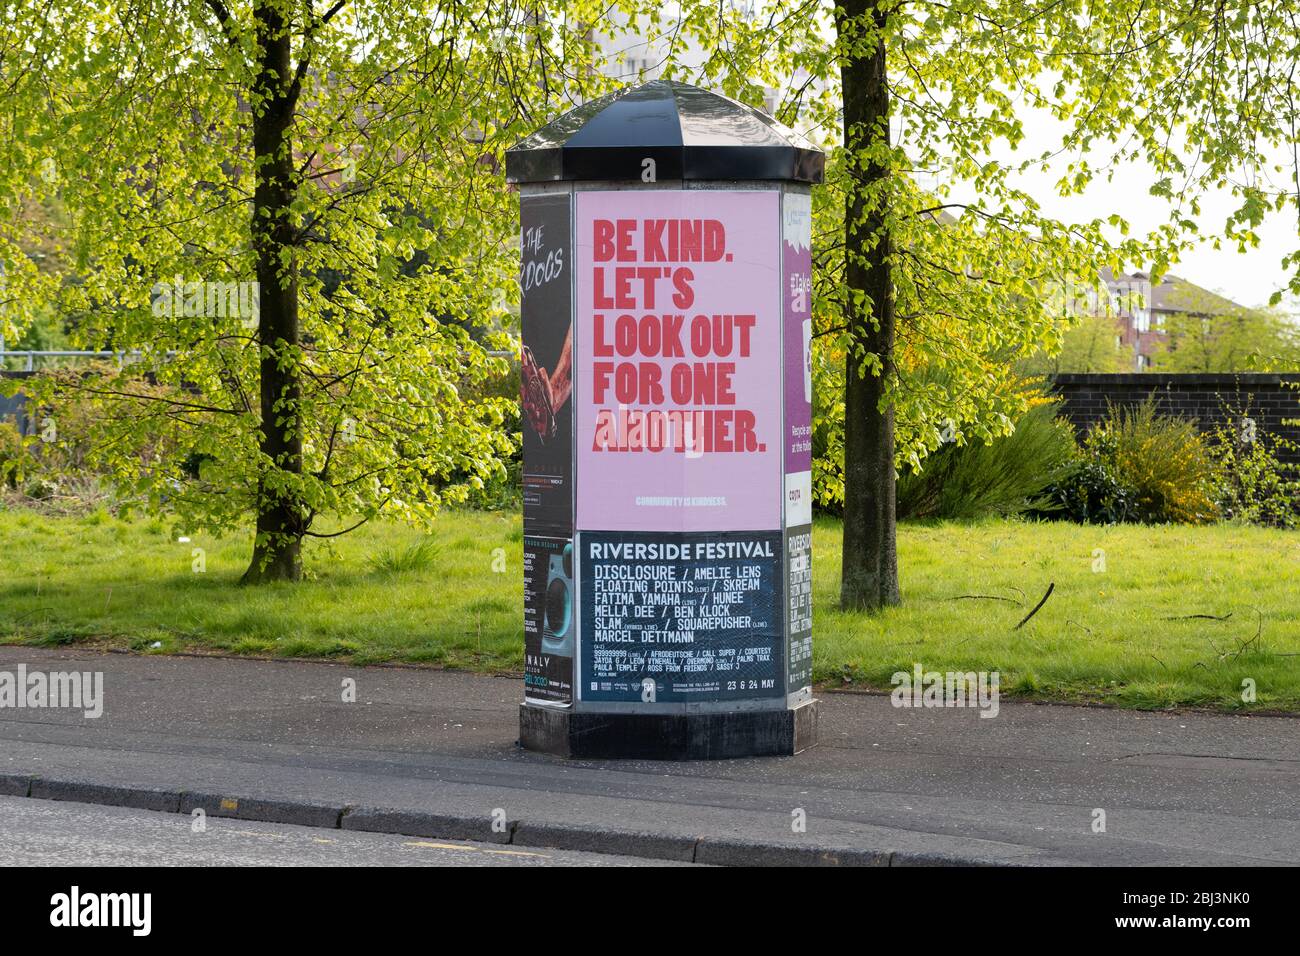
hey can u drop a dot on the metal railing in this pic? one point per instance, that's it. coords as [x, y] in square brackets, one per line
[29, 356]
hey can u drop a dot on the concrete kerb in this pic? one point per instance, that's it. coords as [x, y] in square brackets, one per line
[538, 834]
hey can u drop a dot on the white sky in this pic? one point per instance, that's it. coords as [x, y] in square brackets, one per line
[1248, 278]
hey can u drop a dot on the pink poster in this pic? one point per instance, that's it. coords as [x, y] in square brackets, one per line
[678, 360]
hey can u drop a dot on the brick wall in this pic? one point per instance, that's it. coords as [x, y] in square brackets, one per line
[1272, 399]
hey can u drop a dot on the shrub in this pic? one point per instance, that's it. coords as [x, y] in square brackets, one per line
[41, 489]
[1091, 494]
[1164, 460]
[1255, 486]
[1007, 476]
[73, 459]
[12, 455]
[1137, 465]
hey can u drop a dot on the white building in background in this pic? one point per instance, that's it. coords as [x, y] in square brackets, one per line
[639, 59]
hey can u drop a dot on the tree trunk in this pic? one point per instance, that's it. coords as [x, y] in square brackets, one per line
[869, 568]
[281, 518]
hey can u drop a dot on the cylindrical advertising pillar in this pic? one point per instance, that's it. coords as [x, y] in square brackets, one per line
[667, 416]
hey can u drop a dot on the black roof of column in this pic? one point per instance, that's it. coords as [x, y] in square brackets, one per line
[690, 133]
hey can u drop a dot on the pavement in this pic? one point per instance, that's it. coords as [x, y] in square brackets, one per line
[432, 754]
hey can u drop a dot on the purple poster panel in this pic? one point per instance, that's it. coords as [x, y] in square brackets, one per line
[678, 352]
[796, 292]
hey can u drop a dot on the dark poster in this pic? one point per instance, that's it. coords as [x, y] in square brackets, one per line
[681, 617]
[548, 619]
[798, 556]
[546, 324]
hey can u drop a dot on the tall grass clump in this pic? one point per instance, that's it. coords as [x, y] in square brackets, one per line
[419, 556]
[1007, 476]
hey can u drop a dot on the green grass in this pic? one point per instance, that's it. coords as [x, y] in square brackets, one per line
[386, 593]
[1104, 635]
[382, 593]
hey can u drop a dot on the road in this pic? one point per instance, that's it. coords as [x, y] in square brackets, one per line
[50, 833]
[900, 786]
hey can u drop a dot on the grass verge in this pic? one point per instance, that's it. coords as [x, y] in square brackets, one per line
[1138, 616]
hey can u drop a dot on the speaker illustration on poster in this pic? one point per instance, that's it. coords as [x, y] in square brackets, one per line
[550, 624]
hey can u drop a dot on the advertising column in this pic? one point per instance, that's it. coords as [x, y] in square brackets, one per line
[680, 445]
[546, 326]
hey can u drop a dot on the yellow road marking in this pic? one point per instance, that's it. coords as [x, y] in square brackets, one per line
[472, 849]
[442, 846]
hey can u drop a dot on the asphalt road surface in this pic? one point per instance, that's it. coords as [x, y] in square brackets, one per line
[909, 784]
[49, 833]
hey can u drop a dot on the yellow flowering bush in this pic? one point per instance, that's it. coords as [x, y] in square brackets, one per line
[1162, 460]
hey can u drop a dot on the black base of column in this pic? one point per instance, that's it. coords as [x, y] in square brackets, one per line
[750, 733]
